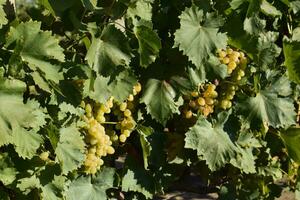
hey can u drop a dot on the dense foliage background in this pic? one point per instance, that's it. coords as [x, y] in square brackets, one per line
[118, 99]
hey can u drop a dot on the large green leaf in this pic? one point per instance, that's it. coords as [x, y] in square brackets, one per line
[267, 50]
[122, 85]
[18, 121]
[266, 107]
[212, 143]
[36, 47]
[296, 34]
[53, 190]
[27, 184]
[36, 44]
[137, 179]
[209, 70]
[254, 25]
[281, 85]
[26, 142]
[295, 6]
[199, 36]
[149, 44]
[291, 139]
[99, 91]
[70, 149]
[108, 51]
[7, 171]
[141, 9]
[291, 52]
[269, 9]
[159, 99]
[3, 19]
[245, 159]
[88, 188]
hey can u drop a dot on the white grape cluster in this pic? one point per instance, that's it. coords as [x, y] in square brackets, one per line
[99, 143]
[232, 59]
[236, 63]
[124, 112]
[200, 101]
[101, 132]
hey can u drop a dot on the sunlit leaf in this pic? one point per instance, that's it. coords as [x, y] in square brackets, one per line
[199, 35]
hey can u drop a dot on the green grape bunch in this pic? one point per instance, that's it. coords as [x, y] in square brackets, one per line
[200, 101]
[124, 112]
[98, 142]
[236, 62]
[232, 59]
[101, 133]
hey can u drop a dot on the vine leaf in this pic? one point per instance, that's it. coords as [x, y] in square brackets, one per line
[100, 92]
[26, 142]
[211, 143]
[46, 4]
[291, 139]
[87, 188]
[122, 85]
[3, 19]
[281, 85]
[66, 109]
[52, 191]
[27, 184]
[291, 52]
[267, 50]
[149, 44]
[270, 10]
[296, 34]
[19, 122]
[198, 36]
[209, 70]
[7, 171]
[108, 51]
[245, 160]
[70, 149]
[159, 99]
[144, 132]
[36, 44]
[141, 9]
[268, 108]
[295, 6]
[89, 4]
[137, 179]
[254, 25]
[36, 48]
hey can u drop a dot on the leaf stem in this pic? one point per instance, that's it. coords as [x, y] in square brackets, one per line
[127, 29]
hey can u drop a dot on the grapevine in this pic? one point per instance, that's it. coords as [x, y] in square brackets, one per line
[129, 99]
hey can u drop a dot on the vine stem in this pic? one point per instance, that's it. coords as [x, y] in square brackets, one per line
[121, 25]
[109, 122]
[298, 113]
